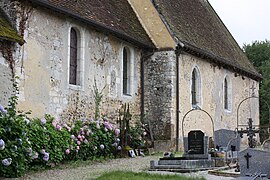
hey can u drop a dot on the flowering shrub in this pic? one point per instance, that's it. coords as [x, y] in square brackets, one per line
[14, 144]
[48, 141]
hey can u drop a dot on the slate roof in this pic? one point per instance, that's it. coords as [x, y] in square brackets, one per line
[198, 27]
[113, 16]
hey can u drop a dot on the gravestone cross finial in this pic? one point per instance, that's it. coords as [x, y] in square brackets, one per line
[247, 156]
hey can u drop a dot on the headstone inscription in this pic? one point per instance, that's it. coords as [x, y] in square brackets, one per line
[196, 142]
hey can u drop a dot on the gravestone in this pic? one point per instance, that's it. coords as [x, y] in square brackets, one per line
[253, 161]
[196, 145]
[195, 142]
[225, 136]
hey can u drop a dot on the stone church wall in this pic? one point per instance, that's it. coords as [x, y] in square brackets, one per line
[212, 97]
[160, 94]
[6, 84]
[160, 98]
[6, 88]
[44, 86]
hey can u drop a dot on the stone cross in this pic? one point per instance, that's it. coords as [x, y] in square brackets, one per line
[247, 156]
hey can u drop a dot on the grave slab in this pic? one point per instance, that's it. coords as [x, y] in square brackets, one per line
[253, 161]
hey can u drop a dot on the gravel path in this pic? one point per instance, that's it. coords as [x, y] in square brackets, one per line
[92, 171]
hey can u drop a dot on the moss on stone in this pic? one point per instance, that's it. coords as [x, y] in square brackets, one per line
[8, 33]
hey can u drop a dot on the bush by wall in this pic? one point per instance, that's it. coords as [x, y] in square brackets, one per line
[46, 142]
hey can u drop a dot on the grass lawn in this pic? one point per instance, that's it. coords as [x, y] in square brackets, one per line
[120, 175]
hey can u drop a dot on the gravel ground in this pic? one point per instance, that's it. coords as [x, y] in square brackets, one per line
[92, 171]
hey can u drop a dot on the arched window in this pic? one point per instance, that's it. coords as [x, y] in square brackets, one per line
[227, 94]
[73, 60]
[195, 87]
[126, 71]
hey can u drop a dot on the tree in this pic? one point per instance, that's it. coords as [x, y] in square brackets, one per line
[259, 54]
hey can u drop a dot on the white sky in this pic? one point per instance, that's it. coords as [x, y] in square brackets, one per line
[247, 20]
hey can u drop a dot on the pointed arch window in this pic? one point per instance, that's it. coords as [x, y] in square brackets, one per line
[195, 87]
[126, 71]
[74, 60]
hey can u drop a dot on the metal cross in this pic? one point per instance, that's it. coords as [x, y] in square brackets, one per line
[250, 131]
[247, 158]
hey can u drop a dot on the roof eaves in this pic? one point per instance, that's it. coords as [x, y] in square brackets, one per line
[219, 60]
[95, 24]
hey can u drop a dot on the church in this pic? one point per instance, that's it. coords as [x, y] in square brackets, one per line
[173, 61]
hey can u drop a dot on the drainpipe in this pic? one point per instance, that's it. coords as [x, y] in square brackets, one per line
[177, 53]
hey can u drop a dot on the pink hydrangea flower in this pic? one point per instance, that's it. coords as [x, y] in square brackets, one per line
[88, 132]
[79, 142]
[72, 136]
[67, 151]
[58, 127]
[85, 141]
[54, 123]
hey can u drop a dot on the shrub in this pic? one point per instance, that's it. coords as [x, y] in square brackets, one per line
[15, 148]
[48, 141]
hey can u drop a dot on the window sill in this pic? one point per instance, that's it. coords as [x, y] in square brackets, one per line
[227, 111]
[75, 87]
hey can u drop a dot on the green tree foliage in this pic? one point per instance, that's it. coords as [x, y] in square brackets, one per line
[259, 53]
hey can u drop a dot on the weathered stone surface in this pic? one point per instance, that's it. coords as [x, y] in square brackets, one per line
[44, 86]
[254, 161]
[225, 136]
[160, 93]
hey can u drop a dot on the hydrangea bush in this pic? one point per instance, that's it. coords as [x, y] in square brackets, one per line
[14, 142]
[26, 143]
[46, 142]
